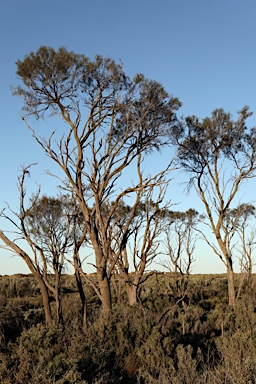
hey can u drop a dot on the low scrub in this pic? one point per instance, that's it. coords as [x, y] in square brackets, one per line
[166, 338]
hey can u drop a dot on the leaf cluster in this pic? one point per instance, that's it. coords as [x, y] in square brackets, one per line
[138, 110]
[201, 143]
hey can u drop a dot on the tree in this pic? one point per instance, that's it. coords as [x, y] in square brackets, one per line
[37, 262]
[112, 122]
[49, 226]
[241, 221]
[48, 222]
[219, 155]
[56, 224]
[180, 240]
[180, 236]
[138, 234]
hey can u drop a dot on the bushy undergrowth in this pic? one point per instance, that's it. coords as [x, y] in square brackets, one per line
[167, 338]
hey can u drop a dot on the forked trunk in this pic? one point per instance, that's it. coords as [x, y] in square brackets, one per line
[131, 291]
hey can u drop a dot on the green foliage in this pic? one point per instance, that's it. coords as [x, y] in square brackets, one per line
[202, 142]
[63, 82]
[47, 71]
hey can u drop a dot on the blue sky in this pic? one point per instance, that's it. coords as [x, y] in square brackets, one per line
[201, 51]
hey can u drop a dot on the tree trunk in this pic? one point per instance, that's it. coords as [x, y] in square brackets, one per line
[231, 286]
[59, 316]
[230, 271]
[105, 294]
[36, 274]
[117, 285]
[82, 296]
[131, 291]
[46, 301]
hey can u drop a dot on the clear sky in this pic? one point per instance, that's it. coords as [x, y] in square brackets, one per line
[201, 51]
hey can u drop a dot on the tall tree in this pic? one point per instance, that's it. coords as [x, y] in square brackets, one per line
[219, 155]
[112, 121]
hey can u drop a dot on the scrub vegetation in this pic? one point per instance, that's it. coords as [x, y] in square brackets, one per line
[167, 337]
